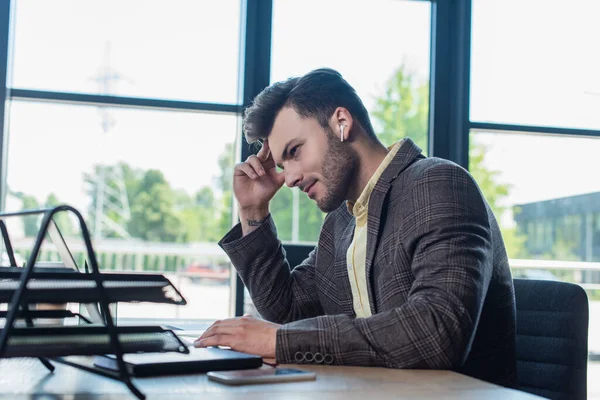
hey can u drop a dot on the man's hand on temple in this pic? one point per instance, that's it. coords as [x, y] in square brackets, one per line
[255, 182]
[246, 334]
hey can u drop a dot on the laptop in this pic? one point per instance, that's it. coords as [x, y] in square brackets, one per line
[199, 360]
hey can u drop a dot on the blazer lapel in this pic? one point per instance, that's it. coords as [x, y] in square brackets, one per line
[407, 153]
[332, 252]
[341, 267]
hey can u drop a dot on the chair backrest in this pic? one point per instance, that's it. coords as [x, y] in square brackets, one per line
[552, 338]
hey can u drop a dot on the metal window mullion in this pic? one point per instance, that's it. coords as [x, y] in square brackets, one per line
[16, 94]
[450, 79]
[5, 13]
[510, 128]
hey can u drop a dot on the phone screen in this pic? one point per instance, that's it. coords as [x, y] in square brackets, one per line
[270, 375]
[288, 371]
[261, 372]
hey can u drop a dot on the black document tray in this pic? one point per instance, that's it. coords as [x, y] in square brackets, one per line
[60, 341]
[42, 314]
[65, 287]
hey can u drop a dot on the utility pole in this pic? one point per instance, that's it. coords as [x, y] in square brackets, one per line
[107, 196]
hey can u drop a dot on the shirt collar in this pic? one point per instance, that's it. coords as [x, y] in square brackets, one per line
[360, 207]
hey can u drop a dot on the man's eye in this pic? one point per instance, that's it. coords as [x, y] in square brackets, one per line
[294, 151]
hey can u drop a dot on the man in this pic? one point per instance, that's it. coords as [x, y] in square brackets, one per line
[410, 270]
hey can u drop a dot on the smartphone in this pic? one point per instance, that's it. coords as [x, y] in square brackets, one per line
[253, 376]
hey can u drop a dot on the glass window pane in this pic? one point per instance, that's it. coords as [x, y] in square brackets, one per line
[386, 60]
[533, 63]
[154, 187]
[544, 216]
[296, 216]
[183, 49]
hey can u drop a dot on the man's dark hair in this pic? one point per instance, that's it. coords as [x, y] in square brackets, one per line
[314, 95]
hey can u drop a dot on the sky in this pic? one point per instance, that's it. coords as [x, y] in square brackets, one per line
[528, 67]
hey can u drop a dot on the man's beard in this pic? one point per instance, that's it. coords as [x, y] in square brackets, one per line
[339, 171]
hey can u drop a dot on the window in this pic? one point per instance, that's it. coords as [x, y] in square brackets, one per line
[533, 63]
[548, 189]
[183, 50]
[154, 188]
[386, 60]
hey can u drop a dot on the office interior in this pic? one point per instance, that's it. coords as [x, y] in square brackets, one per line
[131, 112]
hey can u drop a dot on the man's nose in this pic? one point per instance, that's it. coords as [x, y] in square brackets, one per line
[293, 179]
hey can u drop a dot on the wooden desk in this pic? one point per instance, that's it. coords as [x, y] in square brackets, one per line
[29, 379]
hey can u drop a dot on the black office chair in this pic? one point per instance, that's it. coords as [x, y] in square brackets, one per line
[552, 338]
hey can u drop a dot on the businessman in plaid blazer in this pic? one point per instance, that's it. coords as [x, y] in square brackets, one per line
[410, 270]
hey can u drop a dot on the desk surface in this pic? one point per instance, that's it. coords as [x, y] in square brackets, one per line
[28, 378]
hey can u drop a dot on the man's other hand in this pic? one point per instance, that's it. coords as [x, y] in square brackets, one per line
[246, 334]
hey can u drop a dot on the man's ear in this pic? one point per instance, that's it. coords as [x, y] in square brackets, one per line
[341, 123]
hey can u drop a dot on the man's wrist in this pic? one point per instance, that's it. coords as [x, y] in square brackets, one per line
[254, 213]
[256, 222]
[252, 218]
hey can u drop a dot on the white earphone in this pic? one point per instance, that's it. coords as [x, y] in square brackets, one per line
[342, 132]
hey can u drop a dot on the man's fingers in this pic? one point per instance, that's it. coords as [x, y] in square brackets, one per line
[252, 167]
[211, 331]
[263, 153]
[216, 340]
[245, 169]
[229, 326]
[225, 333]
[256, 164]
[245, 334]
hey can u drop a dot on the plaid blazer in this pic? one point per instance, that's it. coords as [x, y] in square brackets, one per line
[440, 288]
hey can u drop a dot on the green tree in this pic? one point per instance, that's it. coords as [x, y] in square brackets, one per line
[153, 214]
[31, 223]
[62, 219]
[225, 185]
[281, 210]
[199, 221]
[403, 110]
[205, 197]
[311, 219]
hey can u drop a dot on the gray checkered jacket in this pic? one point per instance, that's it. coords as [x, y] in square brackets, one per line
[440, 289]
